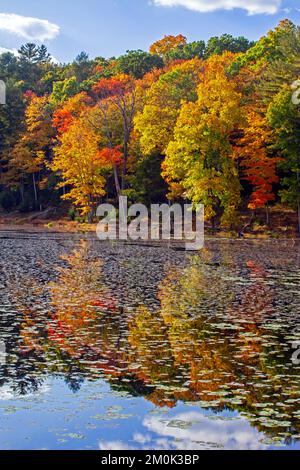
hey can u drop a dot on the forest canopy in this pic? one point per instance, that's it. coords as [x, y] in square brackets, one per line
[214, 122]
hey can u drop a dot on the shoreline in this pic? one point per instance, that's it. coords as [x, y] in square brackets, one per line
[85, 229]
[283, 225]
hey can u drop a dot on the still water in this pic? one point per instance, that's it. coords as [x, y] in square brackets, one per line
[111, 346]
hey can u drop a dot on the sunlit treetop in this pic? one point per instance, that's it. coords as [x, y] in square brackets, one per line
[165, 45]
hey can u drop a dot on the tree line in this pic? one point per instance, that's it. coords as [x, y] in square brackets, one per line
[211, 122]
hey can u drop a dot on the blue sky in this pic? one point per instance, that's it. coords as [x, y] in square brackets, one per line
[110, 27]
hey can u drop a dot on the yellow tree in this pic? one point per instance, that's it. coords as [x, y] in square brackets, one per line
[200, 159]
[103, 119]
[76, 160]
[30, 154]
[106, 122]
[155, 123]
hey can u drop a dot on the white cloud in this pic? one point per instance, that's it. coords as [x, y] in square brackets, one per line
[7, 393]
[200, 431]
[12, 51]
[32, 29]
[204, 6]
[141, 439]
[192, 430]
[114, 445]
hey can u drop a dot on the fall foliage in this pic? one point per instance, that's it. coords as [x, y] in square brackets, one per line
[211, 123]
[165, 45]
[200, 158]
[169, 350]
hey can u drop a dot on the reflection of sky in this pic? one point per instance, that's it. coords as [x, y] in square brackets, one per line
[193, 430]
[96, 417]
[7, 392]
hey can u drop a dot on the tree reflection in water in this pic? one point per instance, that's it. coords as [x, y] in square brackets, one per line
[219, 337]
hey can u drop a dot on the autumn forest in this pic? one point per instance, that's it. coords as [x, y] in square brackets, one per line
[214, 122]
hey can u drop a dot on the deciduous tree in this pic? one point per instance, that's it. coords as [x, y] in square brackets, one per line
[165, 45]
[200, 159]
[258, 159]
[155, 123]
[76, 160]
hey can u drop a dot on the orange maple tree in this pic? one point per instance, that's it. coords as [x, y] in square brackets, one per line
[64, 116]
[110, 156]
[165, 45]
[258, 162]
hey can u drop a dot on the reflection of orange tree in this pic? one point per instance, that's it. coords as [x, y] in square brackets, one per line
[84, 323]
[254, 307]
[197, 346]
[88, 326]
[31, 320]
[208, 341]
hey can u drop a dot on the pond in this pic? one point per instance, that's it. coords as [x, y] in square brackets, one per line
[114, 346]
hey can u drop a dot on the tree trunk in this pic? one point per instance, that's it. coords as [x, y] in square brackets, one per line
[90, 217]
[35, 190]
[267, 215]
[117, 182]
[22, 191]
[91, 214]
[124, 172]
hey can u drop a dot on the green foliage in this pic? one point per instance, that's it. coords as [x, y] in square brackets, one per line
[284, 116]
[11, 116]
[82, 67]
[72, 213]
[227, 43]
[63, 90]
[8, 65]
[54, 74]
[187, 52]
[147, 184]
[32, 53]
[267, 49]
[138, 63]
[285, 69]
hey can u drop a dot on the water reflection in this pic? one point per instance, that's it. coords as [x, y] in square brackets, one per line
[193, 430]
[212, 330]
